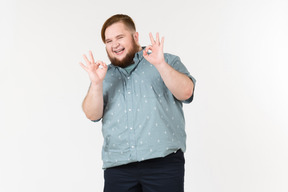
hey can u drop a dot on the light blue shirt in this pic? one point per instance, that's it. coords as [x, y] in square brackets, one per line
[142, 119]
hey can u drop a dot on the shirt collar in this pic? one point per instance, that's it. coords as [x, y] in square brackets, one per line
[138, 56]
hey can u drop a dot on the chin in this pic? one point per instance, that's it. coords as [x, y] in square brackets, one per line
[122, 62]
[120, 57]
[126, 58]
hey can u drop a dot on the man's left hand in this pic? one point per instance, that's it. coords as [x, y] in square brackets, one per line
[154, 52]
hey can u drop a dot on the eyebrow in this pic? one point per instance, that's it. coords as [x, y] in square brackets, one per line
[120, 35]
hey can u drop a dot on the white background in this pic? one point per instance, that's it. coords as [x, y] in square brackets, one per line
[237, 124]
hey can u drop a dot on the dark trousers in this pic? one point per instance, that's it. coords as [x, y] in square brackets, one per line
[155, 175]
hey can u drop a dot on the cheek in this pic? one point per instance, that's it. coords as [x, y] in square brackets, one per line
[127, 45]
[125, 42]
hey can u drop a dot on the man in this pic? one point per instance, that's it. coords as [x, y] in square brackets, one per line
[139, 98]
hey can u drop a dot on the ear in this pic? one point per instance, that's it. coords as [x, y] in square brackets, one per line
[136, 37]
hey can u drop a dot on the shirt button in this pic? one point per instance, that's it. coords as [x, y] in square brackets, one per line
[129, 92]
[129, 109]
[132, 147]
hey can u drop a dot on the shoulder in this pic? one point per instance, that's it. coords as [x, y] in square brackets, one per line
[110, 67]
[111, 73]
[172, 59]
[170, 56]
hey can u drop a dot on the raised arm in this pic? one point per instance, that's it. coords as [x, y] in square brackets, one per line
[93, 102]
[180, 85]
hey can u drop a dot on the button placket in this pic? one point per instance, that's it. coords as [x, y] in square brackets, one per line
[130, 117]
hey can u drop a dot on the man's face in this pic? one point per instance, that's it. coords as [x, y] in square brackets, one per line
[121, 44]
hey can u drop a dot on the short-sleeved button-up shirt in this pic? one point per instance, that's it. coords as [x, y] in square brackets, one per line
[141, 119]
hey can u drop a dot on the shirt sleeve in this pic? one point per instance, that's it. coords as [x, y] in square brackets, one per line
[176, 63]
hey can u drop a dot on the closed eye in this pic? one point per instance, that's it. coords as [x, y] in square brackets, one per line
[120, 36]
[108, 41]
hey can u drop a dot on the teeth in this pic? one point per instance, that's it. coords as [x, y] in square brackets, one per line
[118, 51]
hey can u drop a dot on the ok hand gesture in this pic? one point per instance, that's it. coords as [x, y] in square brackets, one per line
[96, 70]
[154, 52]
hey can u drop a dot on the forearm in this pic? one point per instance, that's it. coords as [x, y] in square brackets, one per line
[180, 85]
[93, 102]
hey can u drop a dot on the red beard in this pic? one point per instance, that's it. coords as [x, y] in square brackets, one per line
[128, 59]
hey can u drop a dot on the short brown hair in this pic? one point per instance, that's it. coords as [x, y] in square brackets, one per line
[125, 19]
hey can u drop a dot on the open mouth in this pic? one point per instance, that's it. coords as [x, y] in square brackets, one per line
[119, 51]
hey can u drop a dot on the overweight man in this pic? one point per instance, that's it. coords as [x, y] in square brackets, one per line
[138, 98]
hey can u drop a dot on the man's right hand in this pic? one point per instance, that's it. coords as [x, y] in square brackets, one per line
[96, 70]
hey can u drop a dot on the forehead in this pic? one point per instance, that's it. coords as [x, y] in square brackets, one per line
[116, 29]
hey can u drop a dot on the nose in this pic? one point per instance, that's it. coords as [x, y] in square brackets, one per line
[115, 44]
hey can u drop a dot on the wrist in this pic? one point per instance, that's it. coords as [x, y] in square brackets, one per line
[96, 84]
[162, 65]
